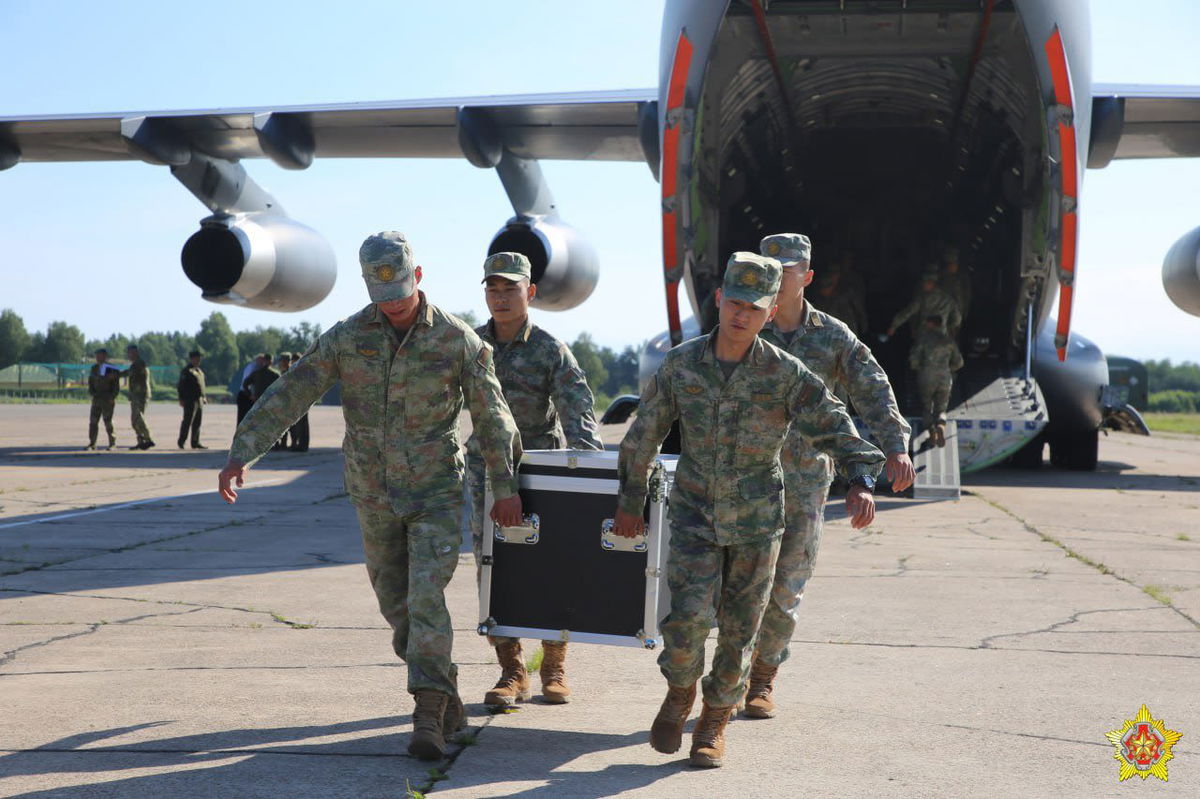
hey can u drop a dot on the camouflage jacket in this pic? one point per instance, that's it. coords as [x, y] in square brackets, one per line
[929, 303]
[401, 398]
[827, 347]
[191, 383]
[139, 378]
[935, 355]
[106, 386]
[729, 472]
[545, 390]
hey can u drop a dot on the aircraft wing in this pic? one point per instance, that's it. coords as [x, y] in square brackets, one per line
[577, 126]
[1134, 121]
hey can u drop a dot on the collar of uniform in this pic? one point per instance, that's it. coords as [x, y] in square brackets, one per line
[522, 335]
[709, 351]
[811, 318]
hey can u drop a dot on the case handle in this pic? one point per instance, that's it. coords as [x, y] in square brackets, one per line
[611, 542]
[527, 533]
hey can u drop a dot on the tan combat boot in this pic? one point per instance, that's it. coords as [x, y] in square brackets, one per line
[940, 431]
[758, 698]
[455, 717]
[513, 685]
[428, 742]
[666, 733]
[708, 737]
[554, 673]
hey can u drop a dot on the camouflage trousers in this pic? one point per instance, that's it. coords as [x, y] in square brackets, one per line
[804, 513]
[137, 417]
[410, 560]
[707, 581]
[101, 406]
[473, 495]
[934, 390]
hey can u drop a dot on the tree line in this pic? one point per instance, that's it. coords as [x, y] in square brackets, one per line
[609, 372]
[1174, 388]
[224, 350]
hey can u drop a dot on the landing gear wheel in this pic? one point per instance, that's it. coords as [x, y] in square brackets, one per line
[1078, 452]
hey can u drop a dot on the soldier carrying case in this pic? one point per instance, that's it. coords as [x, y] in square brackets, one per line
[564, 575]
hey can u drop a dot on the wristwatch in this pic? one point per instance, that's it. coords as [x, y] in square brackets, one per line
[864, 480]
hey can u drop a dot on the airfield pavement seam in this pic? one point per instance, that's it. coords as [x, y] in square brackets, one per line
[1100, 567]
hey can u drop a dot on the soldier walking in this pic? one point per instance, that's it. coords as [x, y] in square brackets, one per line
[551, 403]
[956, 282]
[846, 366]
[935, 357]
[138, 375]
[928, 301]
[192, 399]
[104, 384]
[734, 396]
[406, 368]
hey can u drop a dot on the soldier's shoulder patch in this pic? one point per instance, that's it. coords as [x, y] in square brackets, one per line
[693, 389]
[484, 356]
[367, 352]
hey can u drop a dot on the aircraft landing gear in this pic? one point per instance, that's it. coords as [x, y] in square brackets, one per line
[1078, 452]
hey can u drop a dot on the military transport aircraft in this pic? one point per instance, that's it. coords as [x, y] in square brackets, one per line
[885, 128]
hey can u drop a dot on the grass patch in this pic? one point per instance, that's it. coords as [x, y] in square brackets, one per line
[1183, 537]
[1161, 593]
[534, 661]
[1188, 423]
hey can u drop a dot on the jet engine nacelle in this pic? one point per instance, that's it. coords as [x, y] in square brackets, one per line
[565, 267]
[1181, 273]
[259, 260]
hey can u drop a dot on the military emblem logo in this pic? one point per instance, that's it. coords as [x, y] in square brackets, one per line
[385, 273]
[1143, 746]
[693, 390]
[773, 248]
[749, 278]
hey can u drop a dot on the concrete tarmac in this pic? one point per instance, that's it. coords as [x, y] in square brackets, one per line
[157, 642]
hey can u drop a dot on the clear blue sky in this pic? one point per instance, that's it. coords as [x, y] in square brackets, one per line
[98, 244]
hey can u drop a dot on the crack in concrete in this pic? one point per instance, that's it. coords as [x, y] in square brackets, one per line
[1100, 567]
[977, 648]
[197, 606]
[986, 643]
[6, 658]
[452, 757]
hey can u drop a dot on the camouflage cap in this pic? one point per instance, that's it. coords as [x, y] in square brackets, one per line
[509, 265]
[931, 271]
[387, 266]
[752, 278]
[787, 248]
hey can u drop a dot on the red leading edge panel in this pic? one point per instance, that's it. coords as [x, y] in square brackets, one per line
[1060, 75]
[670, 178]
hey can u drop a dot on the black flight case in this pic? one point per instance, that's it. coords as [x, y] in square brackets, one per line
[563, 575]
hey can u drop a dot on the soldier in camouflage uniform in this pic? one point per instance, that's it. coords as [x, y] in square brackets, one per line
[846, 366]
[550, 400]
[734, 396]
[104, 384]
[929, 301]
[936, 358]
[138, 375]
[406, 368]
